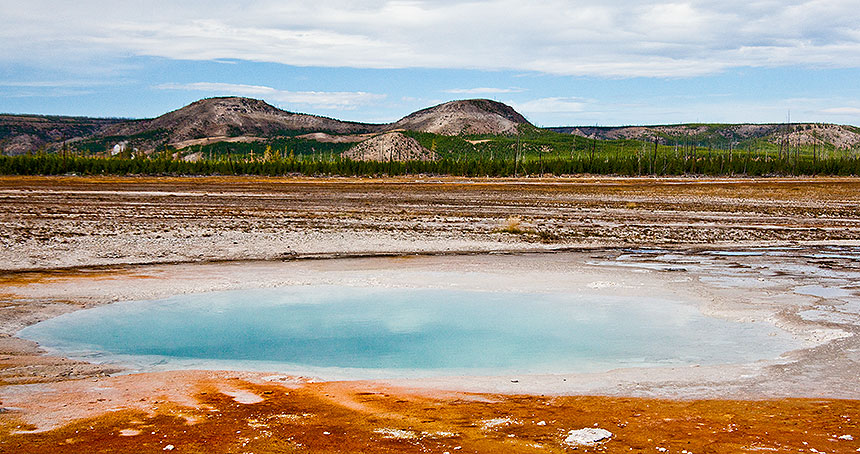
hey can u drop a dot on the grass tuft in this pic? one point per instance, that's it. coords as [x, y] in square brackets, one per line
[513, 224]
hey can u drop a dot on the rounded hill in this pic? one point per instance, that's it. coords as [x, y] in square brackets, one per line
[391, 146]
[233, 116]
[473, 116]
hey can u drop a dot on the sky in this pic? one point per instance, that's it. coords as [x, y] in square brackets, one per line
[579, 62]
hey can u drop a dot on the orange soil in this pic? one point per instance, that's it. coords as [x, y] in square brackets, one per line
[366, 417]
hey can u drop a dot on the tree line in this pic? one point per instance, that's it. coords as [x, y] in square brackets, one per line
[656, 161]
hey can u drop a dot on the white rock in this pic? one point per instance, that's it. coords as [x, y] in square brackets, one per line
[168, 448]
[398, 433]
[587, 436]
[488, 424]
[846, 437]
[541, 423]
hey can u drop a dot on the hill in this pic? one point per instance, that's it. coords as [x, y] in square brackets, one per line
[237, 119]
[838, 136]
[241, 126]
[232, 117]
[20, 134]
[391, 146]
[474, 116]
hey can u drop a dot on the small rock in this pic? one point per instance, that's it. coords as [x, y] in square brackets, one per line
[168, 448]
[541, 423]
[846, 437]
[587, 436]
[660, 449]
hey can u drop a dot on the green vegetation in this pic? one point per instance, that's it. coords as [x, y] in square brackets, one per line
[102, 145]
[282, 147]
[533, 152]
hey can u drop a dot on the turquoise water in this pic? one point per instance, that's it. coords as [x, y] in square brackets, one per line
[338, 332]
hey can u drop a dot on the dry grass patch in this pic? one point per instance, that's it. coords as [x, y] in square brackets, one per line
[514, 225]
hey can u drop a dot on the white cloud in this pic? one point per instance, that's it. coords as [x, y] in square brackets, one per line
[51, 88]
[706, 110]
[482, 90]
[51, 83]
[318, 99]
[854, 111]
[610, 38]
[551, 105]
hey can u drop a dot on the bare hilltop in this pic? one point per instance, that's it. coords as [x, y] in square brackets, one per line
[230, 117]
[475, 116]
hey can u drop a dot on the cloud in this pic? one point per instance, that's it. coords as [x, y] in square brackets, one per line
[52, 83]
[607, 38]
[318, 99]
[855, 111]
[482, 90]
[551, 105]
[50, 88]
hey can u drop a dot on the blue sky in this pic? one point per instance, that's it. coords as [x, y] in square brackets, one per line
[558, 62]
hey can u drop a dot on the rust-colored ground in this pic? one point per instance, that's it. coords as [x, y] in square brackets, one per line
[356, 417]
[62, 222]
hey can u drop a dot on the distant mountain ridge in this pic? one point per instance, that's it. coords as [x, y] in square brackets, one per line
[20, 134]
[239, 119]
[224, 117]
[839, 136]
[234, 116]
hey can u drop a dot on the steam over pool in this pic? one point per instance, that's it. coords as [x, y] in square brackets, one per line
[357, 332]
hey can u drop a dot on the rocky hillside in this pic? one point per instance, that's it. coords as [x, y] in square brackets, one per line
[238, 119]
[391, 146]
[231, 117]
[244, 119]
[214, 118]
[20, 134]
[838, 136]
[474, 116]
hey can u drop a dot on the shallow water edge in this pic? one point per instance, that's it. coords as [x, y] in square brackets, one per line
[734, 287]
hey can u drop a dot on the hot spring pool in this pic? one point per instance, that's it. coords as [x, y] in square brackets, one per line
[356, 332]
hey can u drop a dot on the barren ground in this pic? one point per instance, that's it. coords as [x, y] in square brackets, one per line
[71, 243]
[68, 222]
